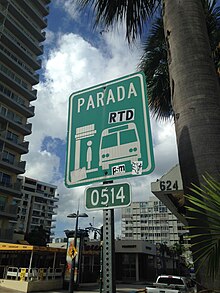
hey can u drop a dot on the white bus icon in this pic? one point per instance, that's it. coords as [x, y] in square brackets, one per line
[119, 144]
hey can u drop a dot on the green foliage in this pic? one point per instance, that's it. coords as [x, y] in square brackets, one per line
[155, 66]
[205, 206]
[212, 14]
[38, 237]
[154, 60]
[134, 13]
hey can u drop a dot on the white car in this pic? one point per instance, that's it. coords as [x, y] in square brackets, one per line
[172, 284]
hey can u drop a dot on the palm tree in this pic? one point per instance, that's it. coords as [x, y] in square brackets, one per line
[154, 60]
[207, 200]
[194, 87]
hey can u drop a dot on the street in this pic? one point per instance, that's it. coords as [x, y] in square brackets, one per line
[86, 288]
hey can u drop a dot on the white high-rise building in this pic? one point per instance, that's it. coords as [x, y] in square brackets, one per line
[22, 25]
[36, 206]
[152, 221]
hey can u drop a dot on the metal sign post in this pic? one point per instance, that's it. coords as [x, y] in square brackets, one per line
[109, 285]
[108, 261]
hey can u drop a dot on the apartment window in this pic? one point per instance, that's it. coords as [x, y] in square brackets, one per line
[16, 59]
[162, 209]
[4, 111]
[5, 178]
[11, 115]
[1, 145]
[18, 118]
[12, 136]
[21, 226]
[13, 76]
[30, 181]
[29, 189]
[2, 202]
[8, 157]
[37, 206]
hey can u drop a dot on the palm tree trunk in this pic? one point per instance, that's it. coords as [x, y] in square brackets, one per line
[195, 93]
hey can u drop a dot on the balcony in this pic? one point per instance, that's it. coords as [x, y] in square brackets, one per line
[35, 215]
[6, 235]
[21, 69]
[17, 145]
[24, 129]
[16, 167]
[42, 7]
[51, 212]
[8, 211]
[31, 10]
[10, 99]
[20, 49]
[13, 81]
[24, 36]
[26, 21]
[56, 198]
[10, 188]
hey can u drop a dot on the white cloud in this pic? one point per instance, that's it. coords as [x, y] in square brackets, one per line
[70, 7]
[50, 37]
[74, 63]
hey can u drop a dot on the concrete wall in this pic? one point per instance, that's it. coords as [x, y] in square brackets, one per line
[32, 286]
[15, 285]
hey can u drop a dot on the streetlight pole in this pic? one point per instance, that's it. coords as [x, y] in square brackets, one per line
[74, 215]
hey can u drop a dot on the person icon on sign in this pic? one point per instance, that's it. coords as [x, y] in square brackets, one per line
[89, 155]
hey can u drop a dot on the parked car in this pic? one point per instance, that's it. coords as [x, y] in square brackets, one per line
[172, 284]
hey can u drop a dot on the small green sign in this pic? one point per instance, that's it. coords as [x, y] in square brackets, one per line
[109, 135]
[108, 196]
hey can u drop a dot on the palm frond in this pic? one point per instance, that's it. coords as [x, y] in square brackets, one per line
[205, 207]
[154, 64]
[134, 13]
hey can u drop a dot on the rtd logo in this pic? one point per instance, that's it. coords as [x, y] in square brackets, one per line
[120, 116]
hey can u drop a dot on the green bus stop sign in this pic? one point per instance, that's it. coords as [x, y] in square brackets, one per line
[108, 196]
[109, 134]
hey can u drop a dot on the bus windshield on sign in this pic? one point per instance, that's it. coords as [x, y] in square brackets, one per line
[119, 144]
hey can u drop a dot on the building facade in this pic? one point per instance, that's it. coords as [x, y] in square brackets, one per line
[36, 206]
[21, 34]
[151, 221]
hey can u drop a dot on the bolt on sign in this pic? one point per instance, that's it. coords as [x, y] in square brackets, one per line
[109, 135]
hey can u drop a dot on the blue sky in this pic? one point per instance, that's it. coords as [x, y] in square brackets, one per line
[77, 57]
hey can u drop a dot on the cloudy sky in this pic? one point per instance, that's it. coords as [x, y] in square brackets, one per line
[76, 57]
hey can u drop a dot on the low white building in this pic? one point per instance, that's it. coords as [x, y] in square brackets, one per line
[152, 221]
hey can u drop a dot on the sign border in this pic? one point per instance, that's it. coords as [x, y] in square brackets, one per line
[107, 185]
[147, 128]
